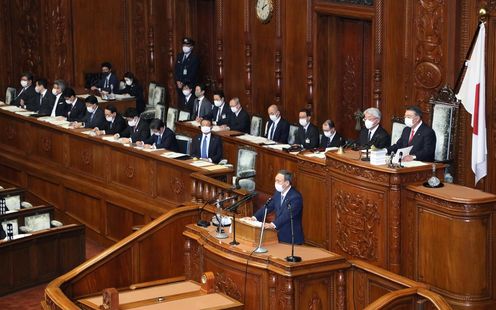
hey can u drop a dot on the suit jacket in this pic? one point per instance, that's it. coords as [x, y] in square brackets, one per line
[310, 138]
[47, 103]
[281, 132]
[221, 119]
[117, 126]
[136, 91]
[168, 141]
[186, 70]
[2, 233]
[95, 119]
[205, 108]
[140, 132]
[29, 97]
[424, 142]
[282, 221]
[76, 112]
[61, 108]
[187, 105]
[113, 80]
[380, 139]
[214, 148]
[337, 141]
[240, 122]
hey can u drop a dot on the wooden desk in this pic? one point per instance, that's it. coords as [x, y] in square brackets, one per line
[449, 243]
[107, 186]
[120, 104]
[264, 281]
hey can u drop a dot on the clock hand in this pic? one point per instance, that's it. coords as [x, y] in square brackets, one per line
[264, 6]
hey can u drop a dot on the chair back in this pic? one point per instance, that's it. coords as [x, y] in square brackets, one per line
[246, 165]
[10, 95]
[398, 124]
[293, 129]
[184, 116]
[256, 126]
[172, 115]
[184, 144]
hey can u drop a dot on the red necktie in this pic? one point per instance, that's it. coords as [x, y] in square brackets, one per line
[412, 133]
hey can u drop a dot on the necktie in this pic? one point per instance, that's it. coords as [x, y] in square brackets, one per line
[91, 117]
[41, 99]
[412, 133]
[159, 140]
[369, 135]
[111, 123]
[282, 199]
[218, 114]
[271, 134]
[22, 90]
[204, 148]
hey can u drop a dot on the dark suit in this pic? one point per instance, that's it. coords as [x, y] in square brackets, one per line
[46, 103]
[117, 126]
[222, 117]
[309, 138]
[77, 111]
[168, 141]
[136, 91]
[95, 119]
[29, 97]
[2, 233]
[186, 70]
[187, 105]
[61, 108]
[282, 221]
[240, 122]
[204, 109]
[214, 148]
[337, 141]
[380, 139]
[281, 132]
[105, 85]
[424, 142]
[140, 132]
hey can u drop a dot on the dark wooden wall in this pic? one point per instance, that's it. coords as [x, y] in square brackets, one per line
[335, 56]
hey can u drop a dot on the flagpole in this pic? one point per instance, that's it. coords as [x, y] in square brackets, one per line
[482, 19]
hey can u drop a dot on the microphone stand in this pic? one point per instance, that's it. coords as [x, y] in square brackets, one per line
[259, 248]
[400, 158]
[220, 231]
[292, 258]
[234, 209]
[204, 223]
[234, 242]
[366, 158]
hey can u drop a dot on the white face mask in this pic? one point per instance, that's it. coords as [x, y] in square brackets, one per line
[157, 133]
[68, 101]
[278, 187]
[205, 129]
[187, 49]
[273, 117]
[132, 123]
[24, 83]
[129, 82]
[37, 89]
[303, 122]
[234, 109]
[369, 124]
[217, 103]
[54, 92]
[90, 109]
[186, 92]
[327, 133]
[408, 121]
[109, 118]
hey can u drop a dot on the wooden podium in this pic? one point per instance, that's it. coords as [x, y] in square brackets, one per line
[250, 234]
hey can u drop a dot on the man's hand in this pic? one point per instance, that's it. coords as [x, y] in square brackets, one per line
[407, 158]
[94, 87]
[270, 226]
[179, 84]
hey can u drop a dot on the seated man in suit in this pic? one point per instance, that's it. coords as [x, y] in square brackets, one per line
[221, 110]
[161, 138]
[330, 137]
[45, 98]
[95, 117]
[284, 196]
[416, 134]
[238, 119]
[202, 106]
[277, 128]
[26, 96]
[308, 134]
[109, 81]
[115, 123]
[60, 107]
[207, 146]
[137, 129]
[373, 133]
[133, 88]
[76, 109]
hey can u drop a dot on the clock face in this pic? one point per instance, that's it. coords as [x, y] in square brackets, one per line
[264, 10]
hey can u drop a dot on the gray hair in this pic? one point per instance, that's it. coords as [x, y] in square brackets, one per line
[60, 83]
[236, 100]
[288, 176]
[374, 112]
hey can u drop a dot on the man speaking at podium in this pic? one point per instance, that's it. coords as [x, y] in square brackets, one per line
[284, 198]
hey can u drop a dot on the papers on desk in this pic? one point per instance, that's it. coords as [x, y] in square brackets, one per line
[217, 128]
[201, 163]
[110, 139]
[278, 146]
[148, 149]
[173, 155]
[194, 123]
[84, 96]
[12, 108]
[320, 155]
[405, 151]
[251, 222]
[413, 163]
[255, 139]
[25, 113]
[89, 133]
[18, 236]
[214, 167]
[123, 96]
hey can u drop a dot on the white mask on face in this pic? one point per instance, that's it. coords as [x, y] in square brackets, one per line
[186, 92]
[273, 117]
[37, 89]
[54, 92]
[129, 82]
[217, 103]
[157, 133]
[90, 109]
[186, 49]
[68, 101]
[369, 124]
[278, 187]
[109, 118]
[132, 122]
[303, 122]
[205, 129]
[234, 109]
[328, 133]
[24, 83]
[408, 121]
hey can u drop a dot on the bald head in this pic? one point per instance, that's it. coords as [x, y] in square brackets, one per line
[273, 112]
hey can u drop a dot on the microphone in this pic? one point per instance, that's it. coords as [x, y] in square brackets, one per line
[391, 159]
[399, 160]
[204, 223]
[292, 258]
[349, 143]
[234, 207]
[247, 174]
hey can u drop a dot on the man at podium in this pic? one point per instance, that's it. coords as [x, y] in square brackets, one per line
[286, 200]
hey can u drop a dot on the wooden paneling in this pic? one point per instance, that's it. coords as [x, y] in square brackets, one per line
[123, 221]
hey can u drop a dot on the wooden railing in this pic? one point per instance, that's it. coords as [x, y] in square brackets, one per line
[416, 298]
